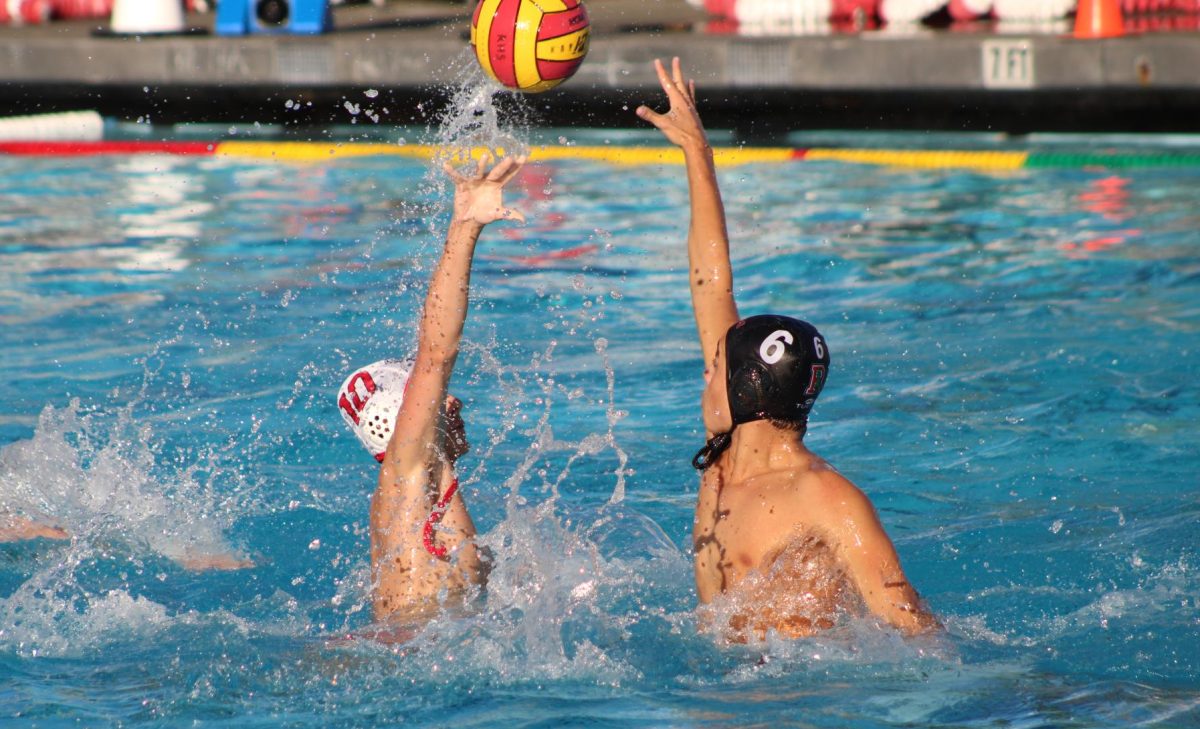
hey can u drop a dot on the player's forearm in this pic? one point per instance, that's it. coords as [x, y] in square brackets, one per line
[895, 601]
[710, 273]
[708, 241]
[446, 301]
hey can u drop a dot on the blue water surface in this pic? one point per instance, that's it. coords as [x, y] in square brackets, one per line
[1013, 384]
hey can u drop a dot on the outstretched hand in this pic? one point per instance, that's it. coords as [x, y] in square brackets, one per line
[477, 198]
[681, 124]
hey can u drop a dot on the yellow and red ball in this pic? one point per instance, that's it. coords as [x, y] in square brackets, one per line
[530, 45]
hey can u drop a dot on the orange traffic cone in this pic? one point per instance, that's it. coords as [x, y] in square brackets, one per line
[1098, 19]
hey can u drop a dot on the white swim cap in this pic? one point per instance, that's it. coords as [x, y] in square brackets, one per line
[370, 399]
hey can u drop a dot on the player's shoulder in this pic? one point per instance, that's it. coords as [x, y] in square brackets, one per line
[837, 495]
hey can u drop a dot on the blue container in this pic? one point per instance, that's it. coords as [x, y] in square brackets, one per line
[303, 17]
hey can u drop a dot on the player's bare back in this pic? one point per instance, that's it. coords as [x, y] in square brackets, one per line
[762, 555]
[777, 552]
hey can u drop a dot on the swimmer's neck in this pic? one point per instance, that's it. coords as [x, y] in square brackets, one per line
[759, 447]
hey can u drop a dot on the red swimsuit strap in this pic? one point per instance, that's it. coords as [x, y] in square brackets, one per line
[435, 516]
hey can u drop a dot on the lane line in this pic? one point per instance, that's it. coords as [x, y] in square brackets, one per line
[309, 152]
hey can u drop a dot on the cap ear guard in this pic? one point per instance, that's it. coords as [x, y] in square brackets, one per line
[370, 400]
[749, 389]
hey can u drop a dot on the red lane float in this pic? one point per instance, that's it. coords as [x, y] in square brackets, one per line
[87, 149]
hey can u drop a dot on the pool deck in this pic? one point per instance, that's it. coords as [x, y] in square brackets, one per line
[757, 85]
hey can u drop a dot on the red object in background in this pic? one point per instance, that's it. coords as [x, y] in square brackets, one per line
[1108, 196]
[865, 11]
[1159, 23]
[84, 149]
[721, 26]
[720, 8]
[1156, 16]
[965, 10]
[1137, 7]
[851, 15]
[844, 15]
[22, 12]
[1098, 19]
[76, 9]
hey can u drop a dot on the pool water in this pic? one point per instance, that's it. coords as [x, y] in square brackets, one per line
[1013, 384]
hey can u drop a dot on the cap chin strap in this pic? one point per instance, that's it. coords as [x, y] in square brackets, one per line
[712, 450]
[435, 516]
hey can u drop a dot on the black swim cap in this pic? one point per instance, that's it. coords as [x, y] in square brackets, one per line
[775, 367]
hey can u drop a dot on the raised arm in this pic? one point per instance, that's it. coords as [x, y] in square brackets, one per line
[477, 202]
[416, 477]
[709, 271]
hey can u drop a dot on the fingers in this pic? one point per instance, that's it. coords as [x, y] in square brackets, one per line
[481, 166]
[458, 177]
[668, 85]
[517, 164]
[510, 214]
[651, 116]
[452, 173]
[502, 167]
[506, 169]
[672, 83]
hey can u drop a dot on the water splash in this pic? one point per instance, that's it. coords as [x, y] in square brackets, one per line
[474, 116]
[562, 600]
[101, 480]
[613, 416]
[471, 120]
